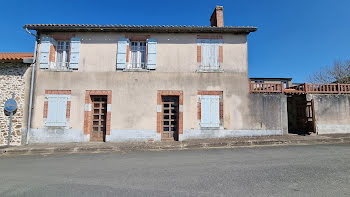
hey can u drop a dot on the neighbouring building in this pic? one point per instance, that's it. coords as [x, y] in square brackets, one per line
[287, 82]
[311, 108]
[14, 78]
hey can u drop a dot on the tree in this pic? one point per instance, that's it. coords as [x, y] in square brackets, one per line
[339, 72]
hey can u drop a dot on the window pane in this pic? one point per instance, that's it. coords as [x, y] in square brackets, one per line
[138, 54]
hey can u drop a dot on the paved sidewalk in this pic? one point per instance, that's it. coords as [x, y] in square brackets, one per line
[89, 147]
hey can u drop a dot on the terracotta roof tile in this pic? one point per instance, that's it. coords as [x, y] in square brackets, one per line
[15, 56]
[140, 28]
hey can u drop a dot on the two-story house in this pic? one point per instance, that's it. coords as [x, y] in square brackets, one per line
[146, 83]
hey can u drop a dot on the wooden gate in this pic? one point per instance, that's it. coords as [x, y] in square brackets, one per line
[170, 115]
[99, 110]
[305, 116]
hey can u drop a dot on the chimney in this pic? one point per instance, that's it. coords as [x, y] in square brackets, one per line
[217, 18]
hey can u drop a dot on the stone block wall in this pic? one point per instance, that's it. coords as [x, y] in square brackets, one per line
[13, 78]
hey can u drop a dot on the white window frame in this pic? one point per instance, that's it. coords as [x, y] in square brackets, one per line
[54, 110]
[214, 111]
[259, 85]
[62, 64]
[285, 83]
[137, 55]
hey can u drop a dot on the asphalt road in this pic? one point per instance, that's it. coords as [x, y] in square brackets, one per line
[317, 170]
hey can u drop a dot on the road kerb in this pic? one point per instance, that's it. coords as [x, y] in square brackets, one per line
[186, 145]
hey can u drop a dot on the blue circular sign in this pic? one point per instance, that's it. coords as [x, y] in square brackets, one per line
[10, 105]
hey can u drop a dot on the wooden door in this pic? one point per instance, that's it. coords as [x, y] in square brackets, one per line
[99, 110]
[305, 116]
[170, 117]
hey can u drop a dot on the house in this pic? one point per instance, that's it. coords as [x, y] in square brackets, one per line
[14, 78]
[287, 82]
[147, 83]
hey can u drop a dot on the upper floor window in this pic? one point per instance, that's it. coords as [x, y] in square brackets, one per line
[138, 55]
[209, 54]
[285, 83]
[62, 55]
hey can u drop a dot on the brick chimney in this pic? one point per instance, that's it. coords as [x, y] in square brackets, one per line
[217, 18]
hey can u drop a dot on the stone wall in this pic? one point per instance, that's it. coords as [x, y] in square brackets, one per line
[13, 77]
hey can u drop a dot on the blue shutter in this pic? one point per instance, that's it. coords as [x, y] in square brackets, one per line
[121, 53]
[151, 54]
[51, 111]
[210, 53]
[74, 53]
[210, 111]
[214, 58]
[56, 113]
[44, 52]
[214, 111]
[205, 111]
[205, 52]
[61, 118]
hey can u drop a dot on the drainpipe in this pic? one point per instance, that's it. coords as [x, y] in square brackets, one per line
[31, 85]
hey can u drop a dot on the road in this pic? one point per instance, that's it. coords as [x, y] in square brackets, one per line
[314, 170]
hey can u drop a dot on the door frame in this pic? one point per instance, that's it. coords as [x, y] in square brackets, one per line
[301, 114]
[88, 110]
[175, 136]
[160, 94]
[102, 99]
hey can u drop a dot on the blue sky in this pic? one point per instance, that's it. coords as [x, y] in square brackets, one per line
[294, 38]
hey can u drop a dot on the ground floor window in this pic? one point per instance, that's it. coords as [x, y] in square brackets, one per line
[210, 109]
[57, 108]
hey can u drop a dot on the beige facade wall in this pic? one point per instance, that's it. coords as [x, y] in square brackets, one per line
[134, 94]
[175, 52]
[134, 100]
[14, 78]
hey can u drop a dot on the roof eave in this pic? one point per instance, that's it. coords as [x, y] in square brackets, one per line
[239, 30]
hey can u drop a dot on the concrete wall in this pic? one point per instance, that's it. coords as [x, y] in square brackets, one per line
[332, 113]
[14, 78]
[258, 115]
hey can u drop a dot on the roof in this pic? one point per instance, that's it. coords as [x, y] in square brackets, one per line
[15, 57]
[141, 28]
[273, 78]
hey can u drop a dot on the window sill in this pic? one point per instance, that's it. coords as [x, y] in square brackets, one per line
[210, 71]
[56, 127]
[57, 70]
[136, 70]
[211, 128]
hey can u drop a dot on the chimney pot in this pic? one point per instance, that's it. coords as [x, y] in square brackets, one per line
[217, 18]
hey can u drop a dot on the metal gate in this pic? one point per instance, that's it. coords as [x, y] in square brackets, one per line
[170, 115]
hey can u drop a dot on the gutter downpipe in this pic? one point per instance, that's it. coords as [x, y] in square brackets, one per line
[31, 86]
